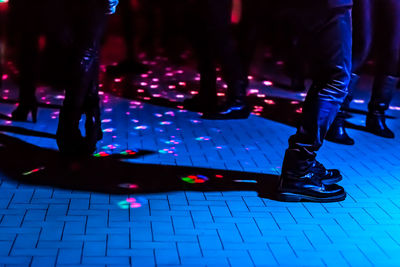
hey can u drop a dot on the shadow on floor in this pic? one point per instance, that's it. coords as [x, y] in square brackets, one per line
[30, 164]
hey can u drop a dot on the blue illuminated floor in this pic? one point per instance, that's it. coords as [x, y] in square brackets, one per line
[191, 207]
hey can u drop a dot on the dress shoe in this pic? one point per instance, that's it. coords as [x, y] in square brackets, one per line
[337, 132]
[309, 191]
[234, 110]
[376, 124]
[317, 185]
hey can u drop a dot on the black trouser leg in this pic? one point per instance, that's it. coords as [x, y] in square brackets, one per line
[219, 28]
[86, 24]
[329, 39]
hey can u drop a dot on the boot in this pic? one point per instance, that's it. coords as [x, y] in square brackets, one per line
[315, 184]
[337, 132]
[303, 178]
[236, 106]
[382, 93]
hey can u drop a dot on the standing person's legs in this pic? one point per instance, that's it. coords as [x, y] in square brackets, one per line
[86, 23]
[303, 177]
[220, 30]
[362, 17]
[28, 32]
[387, 64]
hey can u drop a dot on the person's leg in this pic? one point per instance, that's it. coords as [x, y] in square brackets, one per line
[304, 178]
[27, 60]
[86, 22]
[387, 64]
[219, 28]
[362, 17]
[206, 100]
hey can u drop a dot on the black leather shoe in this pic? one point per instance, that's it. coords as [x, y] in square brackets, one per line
[308, 187]
[326, 176]
[236, 110]
[337, 132]
[376, 124]
[315, 185]
[306, 190]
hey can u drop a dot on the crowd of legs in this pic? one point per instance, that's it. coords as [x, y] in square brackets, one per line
[332, 37]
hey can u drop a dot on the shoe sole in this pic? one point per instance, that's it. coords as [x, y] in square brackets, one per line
[292, 197]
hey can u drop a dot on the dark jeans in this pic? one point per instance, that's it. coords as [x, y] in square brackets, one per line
[28, 20]
[83, 25]
[327, 35]
[216, 41]
[376, 22]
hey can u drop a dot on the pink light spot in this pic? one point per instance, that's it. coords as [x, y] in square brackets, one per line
[267, 83]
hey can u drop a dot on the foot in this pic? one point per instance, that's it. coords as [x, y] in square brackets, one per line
[233, 110]
[126, 67]
[376, 124]
[22, 111]
[196, 104]
[337, 133]
[316, 185]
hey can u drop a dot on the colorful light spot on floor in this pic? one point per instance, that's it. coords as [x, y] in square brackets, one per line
[267, 83]
[106, 120]
[101, 154]
[33, 171]
[203, 138]
[195, 179]
[108, 130]
[110, 146]
[141, 127]
[170, 113]
[128, 152]
[394, 108]
[219, 176]
[130, 186]
[269, 101]
[358, 101]
[165, 123]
